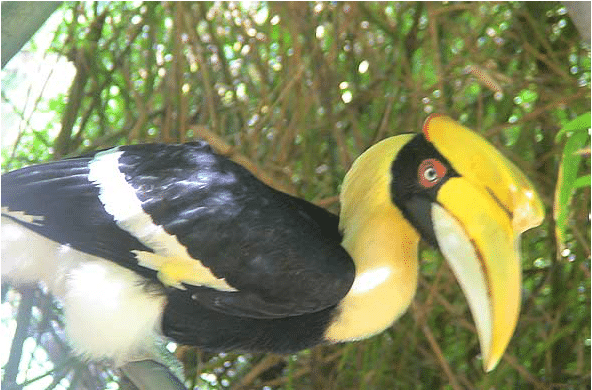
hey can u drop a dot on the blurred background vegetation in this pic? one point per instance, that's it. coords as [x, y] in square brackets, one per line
[295, 91]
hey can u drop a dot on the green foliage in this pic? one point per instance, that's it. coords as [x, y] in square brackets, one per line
[295, 91]
[569, 179]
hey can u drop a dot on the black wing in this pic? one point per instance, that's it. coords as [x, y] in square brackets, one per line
[257, 252]
[57, 201]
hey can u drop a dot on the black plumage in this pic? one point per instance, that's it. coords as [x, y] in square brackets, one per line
[281, 254]
[65, 208]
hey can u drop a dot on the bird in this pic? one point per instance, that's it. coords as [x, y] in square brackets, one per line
[174, 241]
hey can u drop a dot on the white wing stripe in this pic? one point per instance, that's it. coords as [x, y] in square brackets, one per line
[120, 200]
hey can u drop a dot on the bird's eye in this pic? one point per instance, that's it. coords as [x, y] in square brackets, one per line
[430, 172]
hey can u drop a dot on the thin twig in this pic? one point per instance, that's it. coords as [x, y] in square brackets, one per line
[266, 363]
[223, 148]
[436, 348]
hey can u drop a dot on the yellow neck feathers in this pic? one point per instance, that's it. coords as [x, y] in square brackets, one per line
[366, 187]
[382, 244]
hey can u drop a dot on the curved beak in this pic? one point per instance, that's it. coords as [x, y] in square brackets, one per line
[477, 220]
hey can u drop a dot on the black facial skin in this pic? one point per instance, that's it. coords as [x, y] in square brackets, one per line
[418, 172]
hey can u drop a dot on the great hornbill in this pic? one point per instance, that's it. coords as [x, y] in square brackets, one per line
[145, 241]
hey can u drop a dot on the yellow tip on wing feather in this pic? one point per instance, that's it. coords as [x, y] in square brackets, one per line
[174, 271]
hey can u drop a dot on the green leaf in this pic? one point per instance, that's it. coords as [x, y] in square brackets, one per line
[583, 181]
[580, 124]
[567, 180]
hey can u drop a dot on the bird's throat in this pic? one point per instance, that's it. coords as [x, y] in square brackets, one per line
[384, 249]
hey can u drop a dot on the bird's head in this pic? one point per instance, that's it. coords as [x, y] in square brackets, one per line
[462, 196]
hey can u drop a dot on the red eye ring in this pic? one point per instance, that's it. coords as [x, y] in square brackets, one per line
[430, 172]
